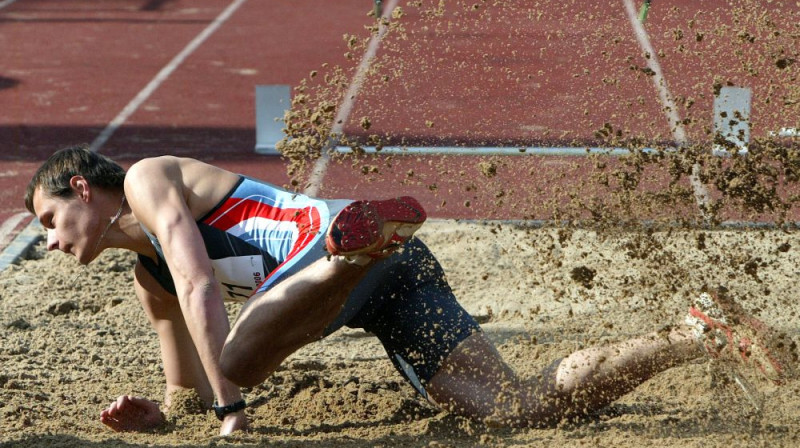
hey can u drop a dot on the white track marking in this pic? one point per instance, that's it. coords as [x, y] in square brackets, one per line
[321, 166]
[11, 223]
[670, 109]
[162, 76]
[126, 112]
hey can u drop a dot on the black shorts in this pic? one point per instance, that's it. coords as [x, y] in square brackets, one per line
[407, 303]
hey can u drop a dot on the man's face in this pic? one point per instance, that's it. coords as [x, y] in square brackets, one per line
[70, 224]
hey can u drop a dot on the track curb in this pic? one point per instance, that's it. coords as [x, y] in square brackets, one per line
[21, 244]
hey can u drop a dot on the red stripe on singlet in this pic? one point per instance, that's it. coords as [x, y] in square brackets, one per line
[235, 210]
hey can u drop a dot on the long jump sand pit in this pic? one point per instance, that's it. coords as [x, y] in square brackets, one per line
[69, 349]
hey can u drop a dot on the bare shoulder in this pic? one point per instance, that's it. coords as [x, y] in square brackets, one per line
[154, 169]
[178, 168]
[199, 184]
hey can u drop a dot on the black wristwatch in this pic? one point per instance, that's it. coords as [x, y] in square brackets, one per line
[222, 411]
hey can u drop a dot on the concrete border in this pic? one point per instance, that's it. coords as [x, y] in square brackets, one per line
[21, 244]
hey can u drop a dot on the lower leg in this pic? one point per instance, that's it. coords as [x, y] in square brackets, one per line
[591, 379]
[475, 382]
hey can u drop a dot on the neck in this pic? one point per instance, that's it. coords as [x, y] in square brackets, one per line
[128, 233]
[114, 219]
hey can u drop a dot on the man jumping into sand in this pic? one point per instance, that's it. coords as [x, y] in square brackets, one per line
[304, 268]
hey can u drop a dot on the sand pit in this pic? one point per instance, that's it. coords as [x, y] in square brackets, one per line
[69, 349]
[74, 340]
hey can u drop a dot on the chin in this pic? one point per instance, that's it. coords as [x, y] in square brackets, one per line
[84, 260]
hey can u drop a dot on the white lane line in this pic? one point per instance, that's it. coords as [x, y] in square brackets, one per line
[5, 3]
[162, 76]
[669, 107]
[9, 225]
[321, 166]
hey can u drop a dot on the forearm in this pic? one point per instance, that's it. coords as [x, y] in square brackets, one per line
[208, 325]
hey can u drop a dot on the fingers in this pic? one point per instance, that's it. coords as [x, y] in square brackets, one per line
[111, 416]
[130, 413]
[119, 406]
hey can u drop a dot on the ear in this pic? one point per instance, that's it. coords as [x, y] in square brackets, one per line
[81, 187]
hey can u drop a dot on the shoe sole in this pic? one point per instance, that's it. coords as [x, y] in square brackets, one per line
[374, 227]
[750, 347]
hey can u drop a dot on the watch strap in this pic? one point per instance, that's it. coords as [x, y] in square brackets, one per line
[222, 411]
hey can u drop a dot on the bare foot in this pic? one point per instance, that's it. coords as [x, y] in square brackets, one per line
[132, 414]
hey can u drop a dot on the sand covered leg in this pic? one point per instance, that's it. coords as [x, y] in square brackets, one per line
[474, 380]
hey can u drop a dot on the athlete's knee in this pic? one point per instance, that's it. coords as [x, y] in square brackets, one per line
[238, 367]
[247, 366]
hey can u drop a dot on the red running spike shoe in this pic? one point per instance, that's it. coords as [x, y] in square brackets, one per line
[374, 228]
[725, 331]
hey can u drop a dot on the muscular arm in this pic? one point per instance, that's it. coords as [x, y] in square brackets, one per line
[161, 193]
[182, 366]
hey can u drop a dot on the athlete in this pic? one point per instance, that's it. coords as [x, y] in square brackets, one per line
[305, 267]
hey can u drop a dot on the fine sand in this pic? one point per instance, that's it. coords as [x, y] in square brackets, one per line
[71, 347]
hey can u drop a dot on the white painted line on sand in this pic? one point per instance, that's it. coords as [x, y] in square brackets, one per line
[321, 166]
[162, 76]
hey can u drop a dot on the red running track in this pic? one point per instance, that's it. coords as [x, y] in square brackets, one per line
[537, 74]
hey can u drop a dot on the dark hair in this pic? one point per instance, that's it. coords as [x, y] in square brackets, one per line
[54, 175]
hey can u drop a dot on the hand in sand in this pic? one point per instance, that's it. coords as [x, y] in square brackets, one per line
[132, 414]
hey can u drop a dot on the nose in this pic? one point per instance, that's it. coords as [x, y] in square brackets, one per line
[52, 240]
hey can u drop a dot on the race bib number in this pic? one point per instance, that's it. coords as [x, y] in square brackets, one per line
[239, 276]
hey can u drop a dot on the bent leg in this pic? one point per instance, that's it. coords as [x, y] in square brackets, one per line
[293, 313]
[299, 307]
[474, 380]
